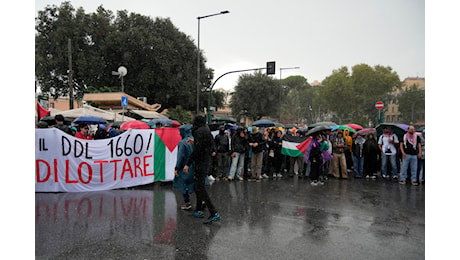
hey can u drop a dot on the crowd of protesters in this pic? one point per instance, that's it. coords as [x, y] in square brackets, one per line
[254, 153]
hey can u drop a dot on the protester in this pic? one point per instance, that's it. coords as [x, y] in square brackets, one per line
[315, 158]
[411, 149]
[83, 132]
[348, 151]
[371, 156]
[74, 130]
[203, 149]
[388, 143]
[298, 160]
[277, 144]
[101, 132]
[223, 148]
[326, 166]
[239, 147]
[267, 161]
[42, 124]
[421, 161]
[358, 155]
[60, 124]
[184, 181]
[257, 143]
[339, 146]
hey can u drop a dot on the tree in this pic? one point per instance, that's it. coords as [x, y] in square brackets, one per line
[296, 99]
[412, 104]
[256, 95]
[161, 60]
[351, 97]
[180, 114]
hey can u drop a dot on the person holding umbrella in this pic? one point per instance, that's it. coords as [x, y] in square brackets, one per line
[388, 143]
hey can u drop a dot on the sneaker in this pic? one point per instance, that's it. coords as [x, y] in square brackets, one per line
[229, 178]
[395, 178]
[210, 178]
[314, 183]
[279, 175]
[402, 182]
[367, 176]
[197, 214]
[321, 182]
[239, 178]
[414, 183]
[274, 175]
[258, 179]
[373, 177]
[212, 219]
[186, 206]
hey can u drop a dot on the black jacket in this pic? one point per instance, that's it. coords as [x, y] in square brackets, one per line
[257, 138]
[239, 144]
[203, 142]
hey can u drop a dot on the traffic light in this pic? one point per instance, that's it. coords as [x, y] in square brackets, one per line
[270, 67]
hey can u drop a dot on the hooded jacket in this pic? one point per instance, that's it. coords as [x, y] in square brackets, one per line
[348, 139]
[203, 144]
[239, 144]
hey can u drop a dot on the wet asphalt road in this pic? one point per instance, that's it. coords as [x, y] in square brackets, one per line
[274, 219]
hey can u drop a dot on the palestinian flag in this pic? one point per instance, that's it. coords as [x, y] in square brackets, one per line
[41, 112]
[294, 146]
[165, 153]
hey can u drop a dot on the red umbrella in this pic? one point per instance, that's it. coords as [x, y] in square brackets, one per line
[135, 124]
[175, 123]
[355, 126]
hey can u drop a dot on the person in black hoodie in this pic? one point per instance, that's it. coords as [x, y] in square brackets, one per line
[223, 149]
[257, 142]
[203, 149]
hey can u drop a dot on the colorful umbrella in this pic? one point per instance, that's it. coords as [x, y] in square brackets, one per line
[90, 120]
[343, 127]
[355, 126]
[135, 124]
[404, 126]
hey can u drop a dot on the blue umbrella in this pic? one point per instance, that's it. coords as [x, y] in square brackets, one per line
[162, 121]
[90, 120]
[263, 123]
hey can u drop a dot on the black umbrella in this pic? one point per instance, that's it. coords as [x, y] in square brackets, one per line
[396, 129]
[318, 129]
[263, 123]
[50, 120]
[90, 120]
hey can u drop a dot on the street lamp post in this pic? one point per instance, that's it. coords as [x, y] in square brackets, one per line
[122, 71]
[198, 59]
[281, 70]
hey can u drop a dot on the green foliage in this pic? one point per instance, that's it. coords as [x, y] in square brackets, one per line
[180, 114]
[412, 104]
[256, 95]
[161, 60]
[351, 97]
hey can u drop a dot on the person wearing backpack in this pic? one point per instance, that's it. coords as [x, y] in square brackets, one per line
[411, 150]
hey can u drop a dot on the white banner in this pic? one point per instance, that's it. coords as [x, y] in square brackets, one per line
[136, 157]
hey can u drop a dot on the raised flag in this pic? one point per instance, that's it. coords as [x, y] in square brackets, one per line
[289, 146]
[41, 111]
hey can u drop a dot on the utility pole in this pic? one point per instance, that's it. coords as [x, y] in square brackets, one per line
[70, 75]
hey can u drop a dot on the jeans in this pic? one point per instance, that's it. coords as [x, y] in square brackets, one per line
[412, 160]
[237, 165]
[392, 159]
[421, 169]
[358, 166]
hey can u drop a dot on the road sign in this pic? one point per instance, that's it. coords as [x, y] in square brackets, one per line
[124, 101]
[379, 105]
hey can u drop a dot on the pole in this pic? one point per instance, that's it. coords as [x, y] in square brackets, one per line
[122, 107]
[70, 75]
[208, 115]
[198, 71]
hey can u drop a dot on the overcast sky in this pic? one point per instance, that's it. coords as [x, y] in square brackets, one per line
[317, 36]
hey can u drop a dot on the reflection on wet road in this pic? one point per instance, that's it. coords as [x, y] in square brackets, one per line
[274, 219]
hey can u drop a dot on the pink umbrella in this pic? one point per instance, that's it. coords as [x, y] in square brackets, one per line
[135, 124]
[365, 131]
